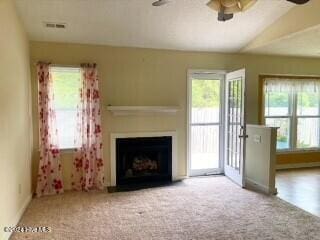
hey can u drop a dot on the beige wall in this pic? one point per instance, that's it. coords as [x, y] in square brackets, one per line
[15, 118]
[132, 76]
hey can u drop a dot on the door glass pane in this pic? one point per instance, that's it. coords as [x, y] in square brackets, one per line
[283, 134]
[234, 123]
[205, 101]
[205, 124]
[308, 104]
[307, 136]
[277, 104]
[204, 147]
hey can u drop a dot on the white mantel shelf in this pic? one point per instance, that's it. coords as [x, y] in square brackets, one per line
[142, 110]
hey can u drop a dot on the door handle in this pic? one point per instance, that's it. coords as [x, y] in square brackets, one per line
[243, 136]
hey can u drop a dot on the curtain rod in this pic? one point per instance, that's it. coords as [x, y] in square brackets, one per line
[289, 76]
[65, 65]
[61, 65]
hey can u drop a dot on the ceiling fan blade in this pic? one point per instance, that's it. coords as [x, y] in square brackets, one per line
[215, 5]
[159, 3]
[298, 1]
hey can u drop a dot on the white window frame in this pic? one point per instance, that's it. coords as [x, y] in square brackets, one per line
[293, 127]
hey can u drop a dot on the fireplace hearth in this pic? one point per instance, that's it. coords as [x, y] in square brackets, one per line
[143, 161]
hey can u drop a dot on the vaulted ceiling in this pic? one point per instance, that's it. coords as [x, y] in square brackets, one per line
[181, 25]
[296, 33]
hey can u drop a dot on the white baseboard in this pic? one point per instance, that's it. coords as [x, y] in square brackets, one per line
[297, 165]
[17, 217]
[180, 177]
[251, 184]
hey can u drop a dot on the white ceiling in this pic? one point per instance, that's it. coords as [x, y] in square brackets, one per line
[181, 25]
[304, 43]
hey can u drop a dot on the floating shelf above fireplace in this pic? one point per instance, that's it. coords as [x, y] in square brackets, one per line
[142, 110]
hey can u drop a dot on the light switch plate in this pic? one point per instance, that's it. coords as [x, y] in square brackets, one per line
[257, 138]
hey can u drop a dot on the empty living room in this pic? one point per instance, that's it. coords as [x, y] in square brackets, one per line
[160, 119]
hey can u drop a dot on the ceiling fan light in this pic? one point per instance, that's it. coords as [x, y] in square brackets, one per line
[233, 9]
[231, 6]
[229, 3]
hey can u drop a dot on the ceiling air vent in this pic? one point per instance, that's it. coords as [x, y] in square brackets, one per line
[60, 25]
[55, 25]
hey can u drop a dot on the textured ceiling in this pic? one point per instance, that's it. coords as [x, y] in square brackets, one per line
[181, 25]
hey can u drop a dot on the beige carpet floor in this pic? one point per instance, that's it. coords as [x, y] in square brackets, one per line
[197, 208]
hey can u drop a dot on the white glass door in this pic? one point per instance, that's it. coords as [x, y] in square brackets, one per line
[235, 127]
[205, 128]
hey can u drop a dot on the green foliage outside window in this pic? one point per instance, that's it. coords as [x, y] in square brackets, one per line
[282, 138]
[205, 93]
[277, 99]
[308, 99]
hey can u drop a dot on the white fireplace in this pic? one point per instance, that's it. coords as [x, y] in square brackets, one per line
[113, 157]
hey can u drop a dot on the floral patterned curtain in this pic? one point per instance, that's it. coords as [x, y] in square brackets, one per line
[88, 170]
[49, 179]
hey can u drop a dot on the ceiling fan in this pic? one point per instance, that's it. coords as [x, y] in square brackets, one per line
[226, 8]
[159, 3]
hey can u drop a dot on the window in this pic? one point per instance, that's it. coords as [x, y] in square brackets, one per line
[308, 116]
[278, 114]
[293, 105]
[66, 85]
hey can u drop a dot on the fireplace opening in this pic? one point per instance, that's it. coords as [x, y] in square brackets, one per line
[143, 160]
